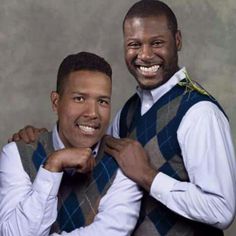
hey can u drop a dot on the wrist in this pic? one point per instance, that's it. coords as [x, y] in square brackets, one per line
[148, 179]
[53, 164]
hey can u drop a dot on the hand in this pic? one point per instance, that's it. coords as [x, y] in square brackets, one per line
[28, 134]
[132, 159]
[79, 158]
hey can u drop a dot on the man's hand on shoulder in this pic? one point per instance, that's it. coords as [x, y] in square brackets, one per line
[28, 134]
[132, 159]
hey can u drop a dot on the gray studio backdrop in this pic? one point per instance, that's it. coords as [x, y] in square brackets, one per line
[36, 35]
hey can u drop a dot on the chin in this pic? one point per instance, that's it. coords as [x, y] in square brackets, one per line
[150, 86]
[90, 144]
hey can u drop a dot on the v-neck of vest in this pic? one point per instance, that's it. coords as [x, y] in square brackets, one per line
[167, 97]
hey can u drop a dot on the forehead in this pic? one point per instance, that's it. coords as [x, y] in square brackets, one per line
[148, 25]
[86, 81]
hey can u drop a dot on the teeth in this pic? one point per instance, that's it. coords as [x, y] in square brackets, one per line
[151, 69]
[86, 128]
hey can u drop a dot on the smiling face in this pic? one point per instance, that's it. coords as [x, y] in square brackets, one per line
[83, 108]
[151, 50]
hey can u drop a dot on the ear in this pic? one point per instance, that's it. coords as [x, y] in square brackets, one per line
[55, 100]
[178, 40]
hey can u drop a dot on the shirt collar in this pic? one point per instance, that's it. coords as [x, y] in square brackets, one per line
[58, 144]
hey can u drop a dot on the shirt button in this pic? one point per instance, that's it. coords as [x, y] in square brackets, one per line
[94, 153]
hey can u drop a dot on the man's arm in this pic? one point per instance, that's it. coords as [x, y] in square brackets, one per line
[31, 208]
[133, 160]
[208, 153]
[118, 210]
[207, 148]
[23, 205]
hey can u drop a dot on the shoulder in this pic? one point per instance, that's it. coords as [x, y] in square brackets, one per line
[192, 98]
[204, 113]
[44, 139]
[9, 148]
[131, 101]
[204, 109]
[10, 156]
[120, 117]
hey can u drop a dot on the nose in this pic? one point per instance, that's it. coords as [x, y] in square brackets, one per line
[91, 109]
[145, 53]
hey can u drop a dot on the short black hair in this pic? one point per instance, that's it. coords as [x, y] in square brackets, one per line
[146, 8]
[81, 61]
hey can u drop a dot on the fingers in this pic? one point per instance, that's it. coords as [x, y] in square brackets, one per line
[42, 130]
[21, 135]
[111, 146]
[28, 134]
[115, 143]
[86, 167]
[112, 152]
[116, 147]
[15, 137]
[90, 164]
[80, 159]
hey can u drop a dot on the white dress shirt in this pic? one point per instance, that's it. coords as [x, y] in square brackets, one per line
[205, 140]
[29, 209]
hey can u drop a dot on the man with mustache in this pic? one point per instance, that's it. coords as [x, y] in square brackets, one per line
[63, 182]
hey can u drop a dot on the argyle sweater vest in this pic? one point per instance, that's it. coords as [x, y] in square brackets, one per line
[156, 130]
[79, 194]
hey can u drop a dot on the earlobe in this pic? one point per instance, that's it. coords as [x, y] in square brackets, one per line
[54, 100]
[178, 40]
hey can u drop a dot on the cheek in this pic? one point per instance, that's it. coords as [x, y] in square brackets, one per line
[170, 52]
[129, 55]
[67, 112]
[162, 52]
[105, 116]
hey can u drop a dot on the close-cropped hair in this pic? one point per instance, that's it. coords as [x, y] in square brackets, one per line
[147, 8]
[81, 61]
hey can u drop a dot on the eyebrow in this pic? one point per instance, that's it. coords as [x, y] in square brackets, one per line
[105, 97]
[86, 94]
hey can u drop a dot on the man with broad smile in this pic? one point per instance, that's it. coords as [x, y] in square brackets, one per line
[150, 50]
[64, 183]
[172, 137]
[83, 130]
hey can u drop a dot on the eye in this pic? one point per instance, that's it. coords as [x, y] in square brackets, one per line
[78, 98]
[133, 45]
[104, 102]
[157, 43]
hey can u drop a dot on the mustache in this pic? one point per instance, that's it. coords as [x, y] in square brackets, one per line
[93, 123]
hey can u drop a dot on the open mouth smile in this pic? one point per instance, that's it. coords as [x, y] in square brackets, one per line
[148, 71]
[88, 129]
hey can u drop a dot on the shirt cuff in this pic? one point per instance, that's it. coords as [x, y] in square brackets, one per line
[47, 182]
[161, 186]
